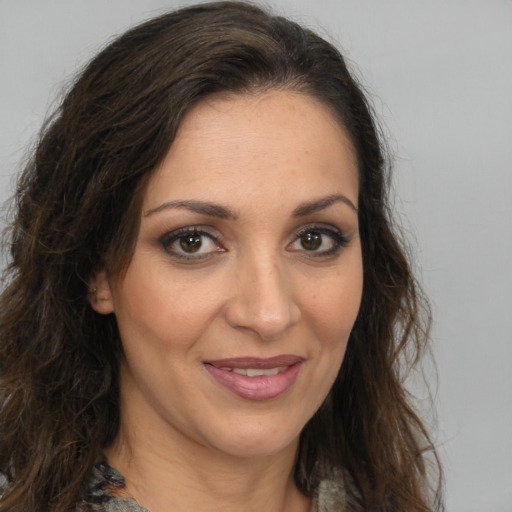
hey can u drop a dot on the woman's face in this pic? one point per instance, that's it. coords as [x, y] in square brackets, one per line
[246, 279]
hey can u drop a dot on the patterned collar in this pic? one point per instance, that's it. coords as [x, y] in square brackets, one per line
[329, 496]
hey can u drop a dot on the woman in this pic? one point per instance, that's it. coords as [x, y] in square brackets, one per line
[206, 306]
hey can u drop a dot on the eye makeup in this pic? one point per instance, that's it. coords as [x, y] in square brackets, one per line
[319, 241]
[191, 243]
[198, 243]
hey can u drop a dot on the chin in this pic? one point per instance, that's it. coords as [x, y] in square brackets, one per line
[256, 440]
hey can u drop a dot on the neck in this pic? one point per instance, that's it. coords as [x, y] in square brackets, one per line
[176, 470]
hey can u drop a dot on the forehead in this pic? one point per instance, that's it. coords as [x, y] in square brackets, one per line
[272, 143]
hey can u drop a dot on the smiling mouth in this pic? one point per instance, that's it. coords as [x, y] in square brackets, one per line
[256, 372]
[254, 378]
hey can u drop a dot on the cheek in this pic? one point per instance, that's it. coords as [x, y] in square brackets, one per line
[331, 313]
[162, 309]
[333, 308]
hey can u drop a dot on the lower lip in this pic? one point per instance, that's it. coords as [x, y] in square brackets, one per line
[263, 387]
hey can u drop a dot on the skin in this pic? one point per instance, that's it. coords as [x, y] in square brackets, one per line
[255, 287]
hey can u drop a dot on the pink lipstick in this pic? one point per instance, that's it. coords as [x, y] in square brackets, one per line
[255, 378]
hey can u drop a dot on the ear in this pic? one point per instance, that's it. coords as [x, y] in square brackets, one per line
[100, 294]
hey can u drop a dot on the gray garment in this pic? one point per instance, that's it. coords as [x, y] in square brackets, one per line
[330, 495]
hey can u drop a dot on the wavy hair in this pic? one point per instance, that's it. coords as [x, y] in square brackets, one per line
[77, 210]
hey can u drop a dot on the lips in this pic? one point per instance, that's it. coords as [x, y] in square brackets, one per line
[255, 378]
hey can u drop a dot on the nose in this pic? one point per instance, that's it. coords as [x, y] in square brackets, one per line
[262, 299]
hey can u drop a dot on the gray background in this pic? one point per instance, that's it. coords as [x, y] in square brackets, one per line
[440, 74]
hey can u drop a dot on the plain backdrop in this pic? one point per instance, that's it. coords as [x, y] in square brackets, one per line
[440, 75]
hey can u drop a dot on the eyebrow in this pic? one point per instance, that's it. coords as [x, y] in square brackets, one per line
[322, 203]
[222, 212]
[201, 207]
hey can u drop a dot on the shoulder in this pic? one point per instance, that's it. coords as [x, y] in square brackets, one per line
[336, 491]
[3, 484]
[98, 497]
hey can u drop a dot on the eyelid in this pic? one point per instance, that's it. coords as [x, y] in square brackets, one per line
[340, 239]
[321, 228]
[171, 237]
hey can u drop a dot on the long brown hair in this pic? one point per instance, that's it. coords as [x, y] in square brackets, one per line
[77, 209]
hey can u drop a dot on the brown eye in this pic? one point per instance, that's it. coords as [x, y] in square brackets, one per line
[311, 240]
[191, 243]
[318, 242]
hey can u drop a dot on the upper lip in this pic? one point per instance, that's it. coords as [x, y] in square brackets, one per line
[256, 362]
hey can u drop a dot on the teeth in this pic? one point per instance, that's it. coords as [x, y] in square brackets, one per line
[258, 372]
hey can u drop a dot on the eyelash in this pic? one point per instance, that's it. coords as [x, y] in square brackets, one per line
[173, 237]
[339, 240]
